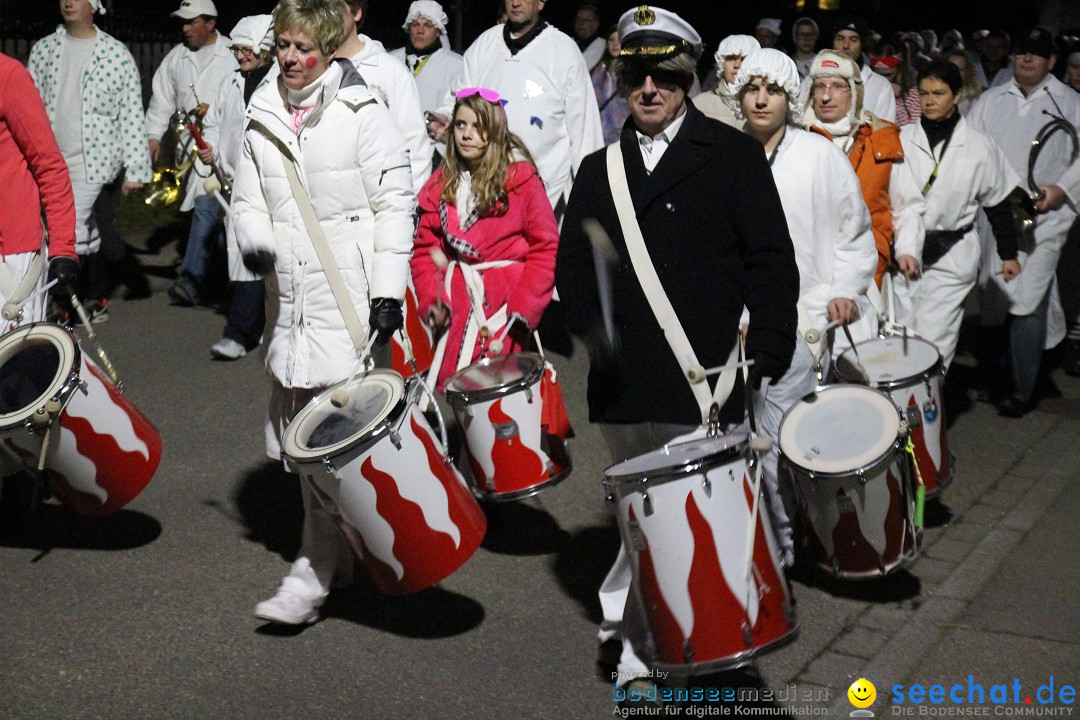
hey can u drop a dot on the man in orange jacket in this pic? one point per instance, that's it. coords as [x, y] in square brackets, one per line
[834, 108]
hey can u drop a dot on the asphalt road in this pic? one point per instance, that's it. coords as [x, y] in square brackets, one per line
[148, 613]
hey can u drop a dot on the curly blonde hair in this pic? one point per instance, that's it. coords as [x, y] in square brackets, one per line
[503, 148]
[321, 20]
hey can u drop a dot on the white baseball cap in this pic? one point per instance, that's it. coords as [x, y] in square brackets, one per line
[194, 8]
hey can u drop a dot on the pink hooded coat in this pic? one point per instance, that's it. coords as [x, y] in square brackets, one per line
[527, 233]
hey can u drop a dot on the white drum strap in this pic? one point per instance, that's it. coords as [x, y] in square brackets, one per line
[474, 286]
[877, 298]
[15, 292]
[357, 329]
[658, 299]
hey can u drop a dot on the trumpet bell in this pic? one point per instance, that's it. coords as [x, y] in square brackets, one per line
[164, 189]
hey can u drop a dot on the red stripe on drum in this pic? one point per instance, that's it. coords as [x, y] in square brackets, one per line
[464, 511]
[662, 623]
[517, 467]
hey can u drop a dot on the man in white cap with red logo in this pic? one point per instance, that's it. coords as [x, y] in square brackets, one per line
[698, 232]
[834, 108]
[427, 54]
[186, 80]
[91, 88]
[830, 230]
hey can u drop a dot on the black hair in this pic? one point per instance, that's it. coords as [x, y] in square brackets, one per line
[946, 72]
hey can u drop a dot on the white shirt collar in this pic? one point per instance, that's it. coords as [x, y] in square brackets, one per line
[653, 148]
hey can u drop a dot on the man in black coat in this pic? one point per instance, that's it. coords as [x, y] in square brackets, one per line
[714, 228]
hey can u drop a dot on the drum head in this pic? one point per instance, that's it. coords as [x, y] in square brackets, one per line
[323, 430]
[887, 361]
[491, 377]
[35, 362]
[839, 429]
[677, 458]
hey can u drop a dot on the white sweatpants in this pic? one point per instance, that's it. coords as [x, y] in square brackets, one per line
[87, 237]
[932, 306]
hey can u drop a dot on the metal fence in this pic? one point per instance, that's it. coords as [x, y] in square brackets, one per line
[148, 44]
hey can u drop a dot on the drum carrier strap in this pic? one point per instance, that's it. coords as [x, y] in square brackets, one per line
[693, 372]
[353, 323]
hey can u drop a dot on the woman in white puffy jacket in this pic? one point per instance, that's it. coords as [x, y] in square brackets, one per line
[352, 161]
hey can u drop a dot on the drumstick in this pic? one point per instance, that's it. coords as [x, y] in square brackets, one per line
[813, 335]
[604, 256]
[213, 186]
[92, 337]
[340, 397]
[724, 368]
[858, 361]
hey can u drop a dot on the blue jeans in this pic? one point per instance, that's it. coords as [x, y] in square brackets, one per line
[1027, 336]
[206, 228]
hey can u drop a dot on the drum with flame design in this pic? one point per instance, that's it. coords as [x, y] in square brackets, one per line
[843, 446]
[499, 409]
[99, 450]
[383, 475]
[419, 336]
[911, 371]
[703, 553]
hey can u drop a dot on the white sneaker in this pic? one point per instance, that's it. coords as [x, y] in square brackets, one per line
[297, 600]
[228, 349]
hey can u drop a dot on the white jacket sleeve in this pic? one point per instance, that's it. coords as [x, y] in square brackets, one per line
[161, 98]
[212, 120]
[248, 211]
[582, 114]
[387, 177]
[855, 255]
[908, 209]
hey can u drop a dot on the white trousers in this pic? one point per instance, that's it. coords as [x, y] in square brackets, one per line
[321, 542]
[87, 237]
[932, 306]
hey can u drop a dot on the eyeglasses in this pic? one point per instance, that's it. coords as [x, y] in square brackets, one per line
[490, 95]
[832, 88]
[243, 51]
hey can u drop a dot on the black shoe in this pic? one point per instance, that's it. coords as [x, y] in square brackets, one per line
[1012, 407]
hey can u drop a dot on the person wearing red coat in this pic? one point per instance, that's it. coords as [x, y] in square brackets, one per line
[35, 178]
[486, 223]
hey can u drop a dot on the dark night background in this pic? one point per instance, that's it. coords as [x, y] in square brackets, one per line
[713, 20]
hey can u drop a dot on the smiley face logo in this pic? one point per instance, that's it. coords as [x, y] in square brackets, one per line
[862, 693]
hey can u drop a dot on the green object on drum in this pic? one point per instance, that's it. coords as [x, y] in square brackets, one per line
[920, 501]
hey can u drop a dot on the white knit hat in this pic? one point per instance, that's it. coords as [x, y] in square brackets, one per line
[97, 5]
[777, 69]
[430, 9]
[829, 63]
[254, 30]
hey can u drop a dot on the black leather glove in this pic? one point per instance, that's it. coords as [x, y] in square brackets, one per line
[766, 365]
[260, 262]
[65, 271]
[386, 318]
[603, 351]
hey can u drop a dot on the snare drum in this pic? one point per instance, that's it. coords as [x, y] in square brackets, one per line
[416, 330]
[911, 371]
[383, 476]
[685, 515]
[498, 406]
[844, 448]
[101, 450]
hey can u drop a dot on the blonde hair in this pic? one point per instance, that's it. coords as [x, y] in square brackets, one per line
[321, 20]
[503, 148]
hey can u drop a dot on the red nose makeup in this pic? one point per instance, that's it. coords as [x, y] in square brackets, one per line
[311, 62]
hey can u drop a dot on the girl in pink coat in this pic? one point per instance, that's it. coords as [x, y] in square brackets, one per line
[484, 256]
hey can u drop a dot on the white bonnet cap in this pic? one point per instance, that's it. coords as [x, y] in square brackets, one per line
[430, 9]
[254, 30]
[741, 45]
[778, 69]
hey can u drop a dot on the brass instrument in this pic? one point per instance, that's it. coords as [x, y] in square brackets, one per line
[175, 160]
[1057, 123]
